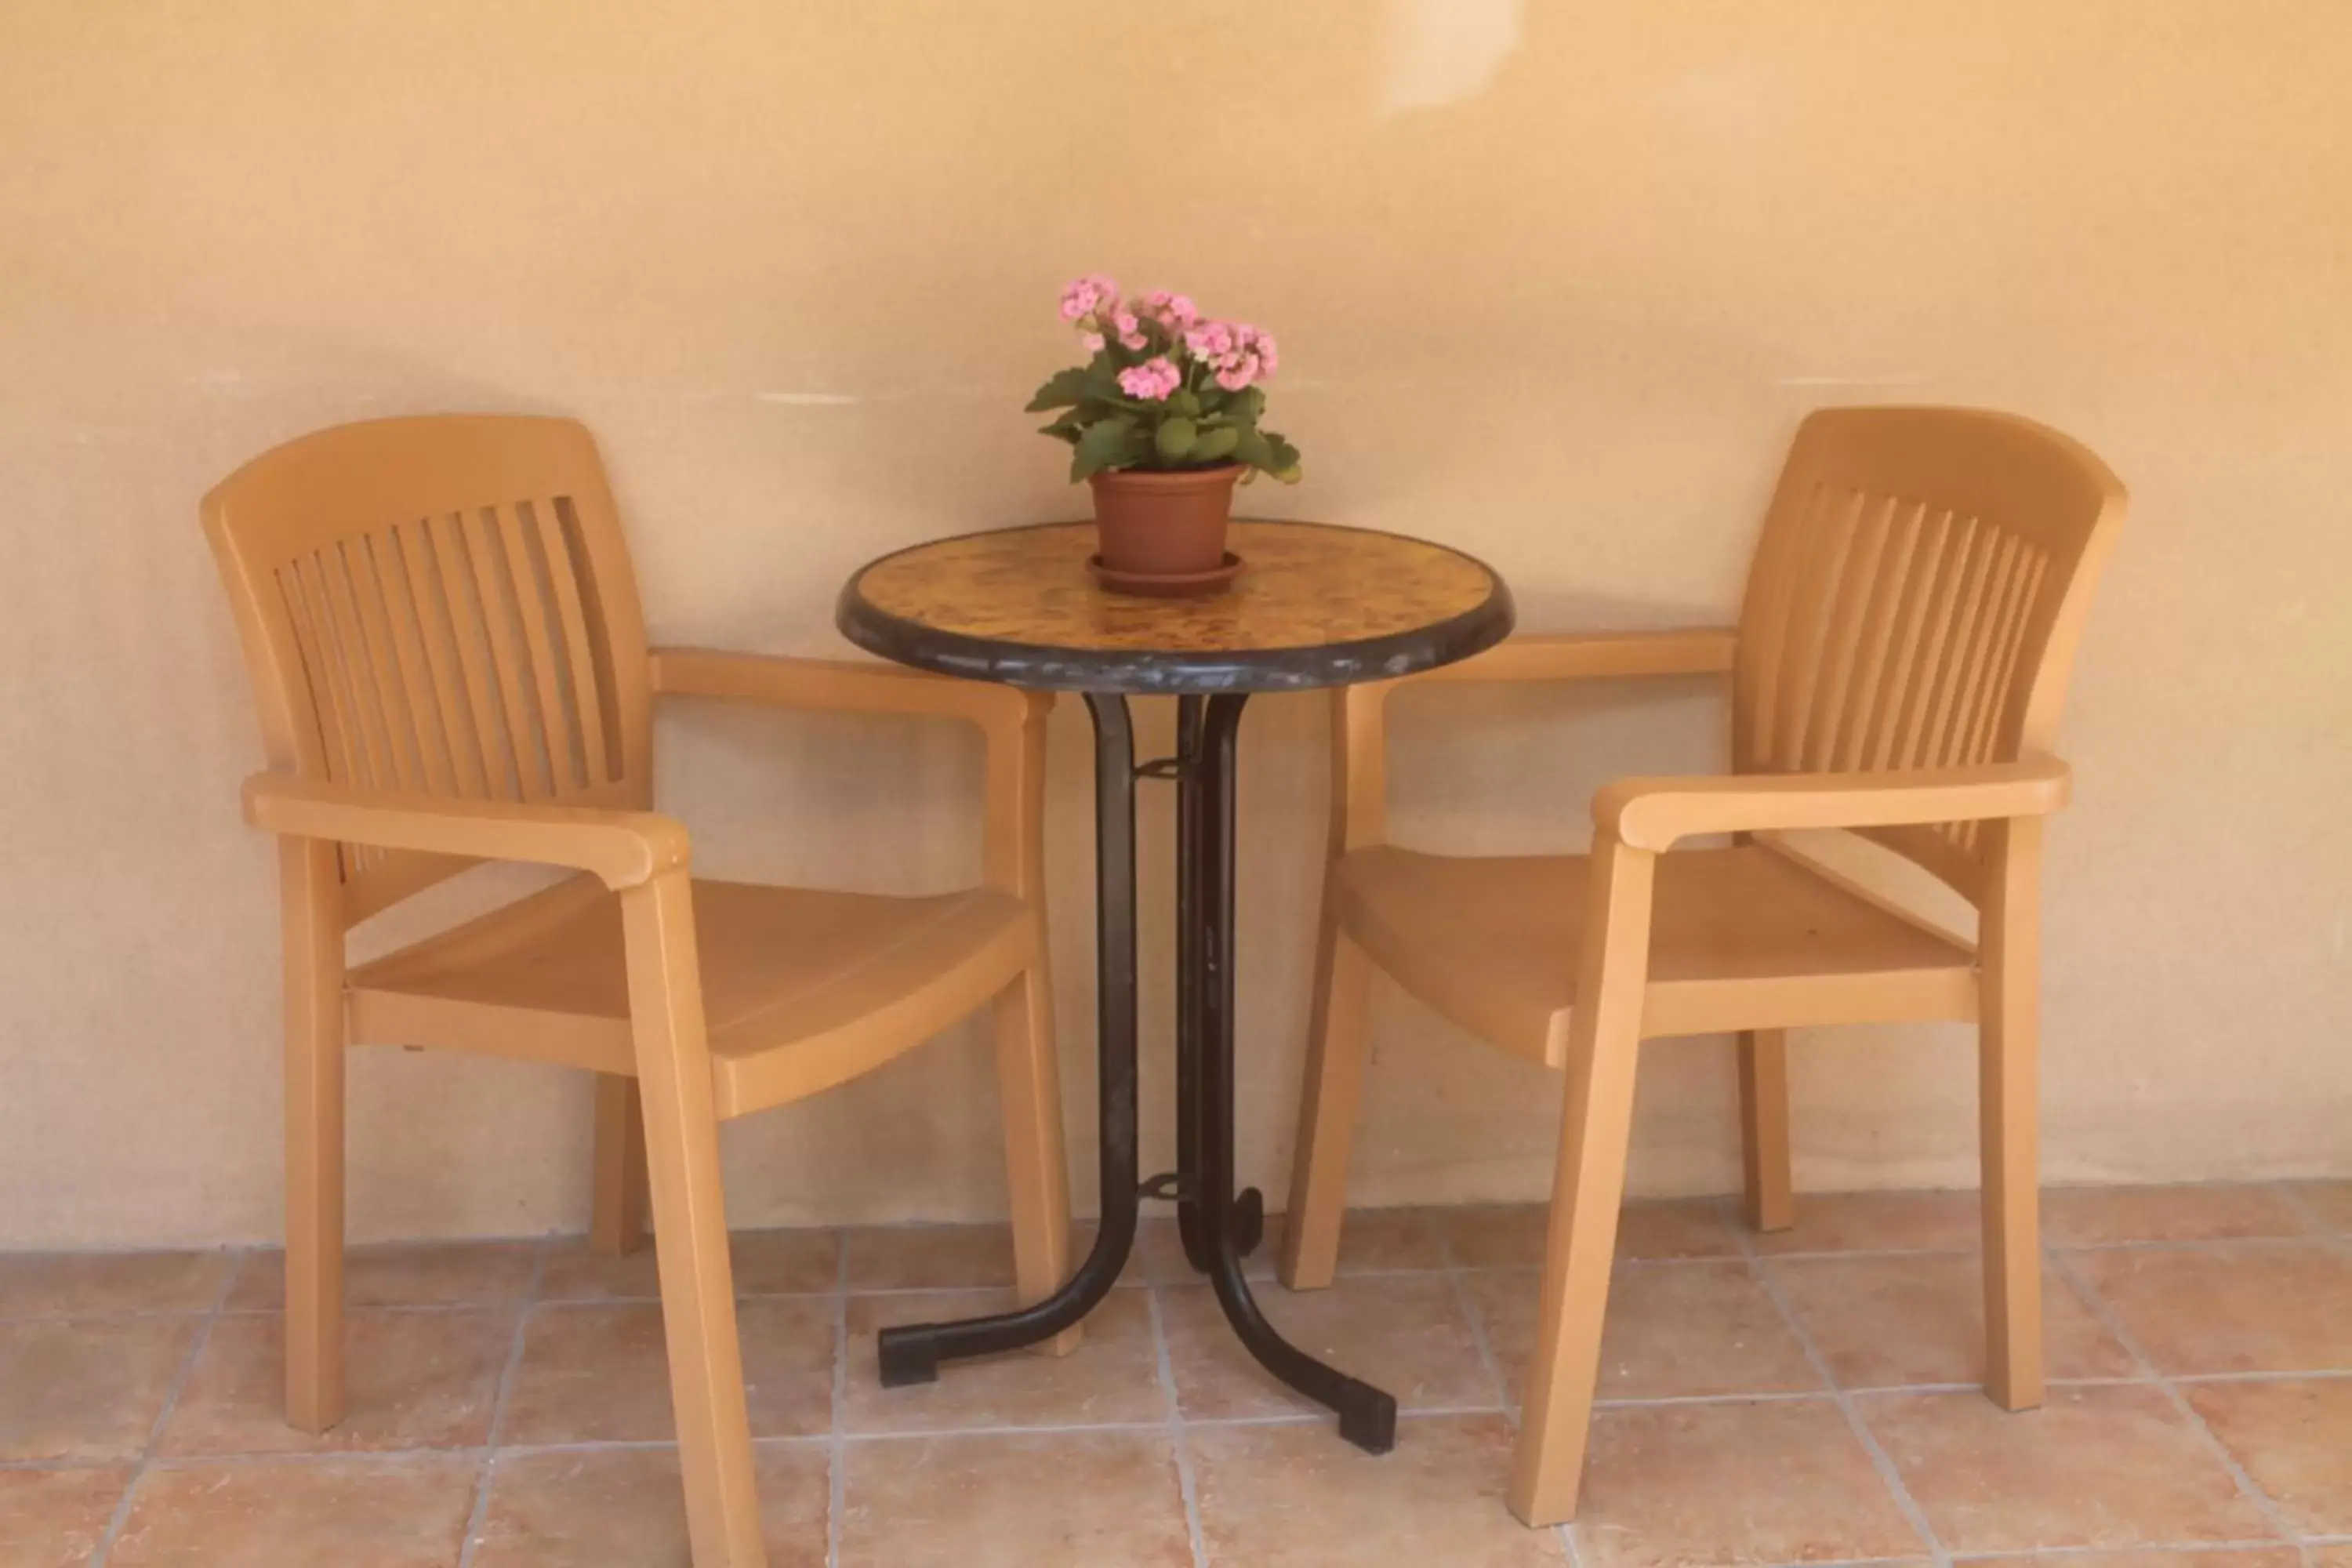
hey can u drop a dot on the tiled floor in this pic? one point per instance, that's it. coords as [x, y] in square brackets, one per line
[1806, 1397]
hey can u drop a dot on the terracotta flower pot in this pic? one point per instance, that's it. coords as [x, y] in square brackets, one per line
[1164, 524]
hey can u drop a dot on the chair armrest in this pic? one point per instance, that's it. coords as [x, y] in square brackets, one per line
[1651, 813]
[1599, 655]
[624, 848]
[1359, 723]
[857, 686]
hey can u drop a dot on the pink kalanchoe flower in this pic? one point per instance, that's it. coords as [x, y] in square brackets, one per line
[1153, 381]
[1092, 295]
[1130, 333]
[1236, 352]
[1173, 311]
[1091, 341]
[1210, 341]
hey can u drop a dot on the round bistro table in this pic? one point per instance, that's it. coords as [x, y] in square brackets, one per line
[1317, 607]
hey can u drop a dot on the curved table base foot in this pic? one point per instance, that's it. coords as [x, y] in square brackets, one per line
[1220, 1226]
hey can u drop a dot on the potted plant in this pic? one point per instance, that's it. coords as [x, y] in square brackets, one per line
[1161, 420]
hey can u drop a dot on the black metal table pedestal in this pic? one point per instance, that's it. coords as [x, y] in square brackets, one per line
[1220, 1226]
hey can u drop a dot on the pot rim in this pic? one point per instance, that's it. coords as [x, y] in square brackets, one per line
[1168, 478]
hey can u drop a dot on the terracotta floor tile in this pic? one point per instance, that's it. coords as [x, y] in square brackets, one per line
[1112, 1377]
[412, 1380]
[1378, 1240]
[1402, 1332]
[1008, 1501]
[595, 1373]
[2114, 1465]
[1296, 1497]
[1374, 1239]
[575, 1274]
[626, 1509]
[1671, 1331]
[1685, 1486]
[2331, 1201]
[88, 1389]
[1158, 1254]
[1883, 1321]
[766, 1263]
[2294, 1438]
[2092, 1216]
[1513, 1237]
[54, 1519]
[1880, 1222]
[929, 1256]
[62, 1284]
[491, 1273]
[2247, 1308]
[349, 1514]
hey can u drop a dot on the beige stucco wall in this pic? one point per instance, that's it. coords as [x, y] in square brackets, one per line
[1554, 282]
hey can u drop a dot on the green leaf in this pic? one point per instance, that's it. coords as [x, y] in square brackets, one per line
[1103, 444]
[1174, 438]
[1248, 404]
[1251, 448]
[1214, 446]
[1186, 402]
[1284, 466]
[1066, 388]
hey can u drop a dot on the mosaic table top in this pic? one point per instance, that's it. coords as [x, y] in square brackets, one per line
[1317, 606]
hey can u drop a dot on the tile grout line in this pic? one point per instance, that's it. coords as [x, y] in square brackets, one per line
[2063, 1266]
[1565, 1533]
[1471, 1315]
[1882, 1462]
[2341, 1238]
[480, 1512]
[1188, 1485]
[2034, 1554]
[836, 1450]
[2322, 1234]
[121, 1514]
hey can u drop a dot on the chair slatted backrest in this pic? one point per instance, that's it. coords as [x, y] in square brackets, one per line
[1916, 601]
[439, 607]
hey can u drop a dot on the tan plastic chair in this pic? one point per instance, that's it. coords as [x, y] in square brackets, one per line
[1898, 668]
[450, 666]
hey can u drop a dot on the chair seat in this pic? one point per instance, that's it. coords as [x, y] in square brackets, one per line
[1743, 938]
[800, 988]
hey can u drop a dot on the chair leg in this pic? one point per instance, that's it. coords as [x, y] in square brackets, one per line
[2008, 1078]
[1029, 1094]
[1596, 1124]
[706, 1359]
[1764, 1128]
[1336, 1038]
[314, 1135]
[618, 1222]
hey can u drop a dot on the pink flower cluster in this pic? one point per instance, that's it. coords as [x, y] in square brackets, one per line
[1088, 296]
[1236, 352]
[1153, 380]
[1173, 311]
